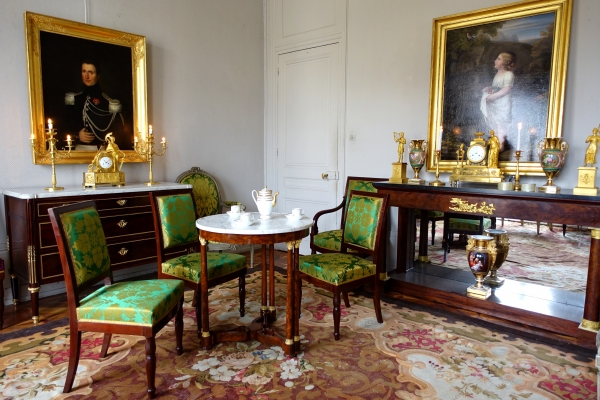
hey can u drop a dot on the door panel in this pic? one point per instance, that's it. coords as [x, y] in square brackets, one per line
[308, 90]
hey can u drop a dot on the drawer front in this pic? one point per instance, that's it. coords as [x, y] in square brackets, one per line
[124, 202]
[115, 227]
[122, 255]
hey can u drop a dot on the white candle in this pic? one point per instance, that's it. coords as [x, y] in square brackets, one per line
[68, 138]
[32, 137]
[150, 130]
[49, 124]
[439, 147]
[519, 125]
[164, 140]
[135, 139]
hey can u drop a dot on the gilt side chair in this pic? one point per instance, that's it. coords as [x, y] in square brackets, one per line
[140, 308]
[178, 248]
[362, 232]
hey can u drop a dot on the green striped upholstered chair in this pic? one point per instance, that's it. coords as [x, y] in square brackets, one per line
[130, 308]
[463, 224]
[178, 247]
[207, 197]
[340, 272]
[330, 241]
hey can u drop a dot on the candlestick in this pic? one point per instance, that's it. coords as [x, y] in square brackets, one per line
[437, 182]
[439, 147]
[519, 125]
[51, 153]
[145, 148]
[517, 179]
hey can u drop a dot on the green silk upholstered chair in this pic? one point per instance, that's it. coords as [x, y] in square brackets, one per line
[130, 308]
[341, 272]
[207, 197]
[178, 247]
[330, 241]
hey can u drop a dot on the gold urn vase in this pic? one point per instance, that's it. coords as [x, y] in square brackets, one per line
[502, 246]
[416, 157]
[552, 153]
[481, 255]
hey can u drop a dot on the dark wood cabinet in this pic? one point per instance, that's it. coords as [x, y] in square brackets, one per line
[126, 218]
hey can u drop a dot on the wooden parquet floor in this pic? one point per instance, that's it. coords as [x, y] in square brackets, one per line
[53, 308]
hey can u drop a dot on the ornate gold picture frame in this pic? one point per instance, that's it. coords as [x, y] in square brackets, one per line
[58, 52]
[471, 56]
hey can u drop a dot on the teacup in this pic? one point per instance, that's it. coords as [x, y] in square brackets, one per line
[246, 218]
[297, 212]
[236, 208]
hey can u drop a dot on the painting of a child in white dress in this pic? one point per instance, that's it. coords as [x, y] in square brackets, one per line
[498, 77]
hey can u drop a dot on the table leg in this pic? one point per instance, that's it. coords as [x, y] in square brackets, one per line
[14, 287]
[288, 349]
[205, 340]
[591, 306]
[264, 307]
[297, 297]
[405, 245]
[272, 309]
[424, 235]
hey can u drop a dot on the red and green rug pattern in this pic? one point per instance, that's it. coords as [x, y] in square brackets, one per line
[414, 354]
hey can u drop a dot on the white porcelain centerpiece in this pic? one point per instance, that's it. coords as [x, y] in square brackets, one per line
[265, 201]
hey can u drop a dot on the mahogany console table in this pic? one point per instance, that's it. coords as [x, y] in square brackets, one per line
[126, 218]
[545, 312]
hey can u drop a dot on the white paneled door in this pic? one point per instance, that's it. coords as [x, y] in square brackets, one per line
[308, 120]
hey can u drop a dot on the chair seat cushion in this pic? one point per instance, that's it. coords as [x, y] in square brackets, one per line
[336, 268]
[187, 267]
[131, 303]
[468, 224]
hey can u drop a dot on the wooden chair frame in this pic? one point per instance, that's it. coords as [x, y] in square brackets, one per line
[163, 254]
[342, 206]
[73, 299]
[378, 260]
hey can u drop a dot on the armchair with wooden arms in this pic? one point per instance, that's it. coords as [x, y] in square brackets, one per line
[139, 308]
[330, 241]
[207, 197]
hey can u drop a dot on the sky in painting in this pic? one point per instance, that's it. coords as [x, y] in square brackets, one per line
[525, 29]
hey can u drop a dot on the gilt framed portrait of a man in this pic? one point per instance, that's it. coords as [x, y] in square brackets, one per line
[89, 81]
[500, 69]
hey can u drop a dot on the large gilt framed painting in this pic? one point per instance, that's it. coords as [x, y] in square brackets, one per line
[502, 69]
[89, 81]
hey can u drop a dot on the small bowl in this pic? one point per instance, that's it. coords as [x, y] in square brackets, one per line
[293, 217]
[506, 186]
[234, 215]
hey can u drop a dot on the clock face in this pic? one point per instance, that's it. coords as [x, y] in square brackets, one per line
[476, 153]
[105, 162]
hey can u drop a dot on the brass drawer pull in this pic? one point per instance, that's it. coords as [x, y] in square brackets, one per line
[122, 223]
[122, 202]
[123, 251]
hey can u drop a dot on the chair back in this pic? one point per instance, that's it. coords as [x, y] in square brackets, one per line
[358, 183]
[363, 227]
[174, 218]
[82, 246]
[206, 191]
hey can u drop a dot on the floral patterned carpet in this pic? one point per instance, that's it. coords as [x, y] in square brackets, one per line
[548, 259]
[414, 354]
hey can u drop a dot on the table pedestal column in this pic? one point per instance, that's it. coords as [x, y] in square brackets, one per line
[592, 291]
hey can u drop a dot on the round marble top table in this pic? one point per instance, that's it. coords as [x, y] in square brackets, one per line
[266, 232]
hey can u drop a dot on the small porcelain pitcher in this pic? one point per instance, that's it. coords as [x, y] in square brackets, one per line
[265, 201]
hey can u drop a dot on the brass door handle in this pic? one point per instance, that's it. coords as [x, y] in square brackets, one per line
[122, 223]
[123, 251]
[324, 175]
[122, 202]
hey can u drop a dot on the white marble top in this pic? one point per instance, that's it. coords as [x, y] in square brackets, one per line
[278, 223]
[39, 192]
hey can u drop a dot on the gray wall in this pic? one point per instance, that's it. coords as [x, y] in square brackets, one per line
[205, 90]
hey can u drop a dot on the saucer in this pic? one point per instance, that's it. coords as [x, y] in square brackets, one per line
[233, 215]
[239, 224]
[293, 217]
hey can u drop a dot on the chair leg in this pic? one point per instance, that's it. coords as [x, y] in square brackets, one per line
[75, 348]
[242, 293]
[346, 299]
[251, 256]
[105, 345]
[564, 234]
[376, 302]
[179, 328]
[151, 365]
[337, 315]
[198, 302]
[432, 232]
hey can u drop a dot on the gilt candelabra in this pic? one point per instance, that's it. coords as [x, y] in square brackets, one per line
[145, 148]
[51, 153]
